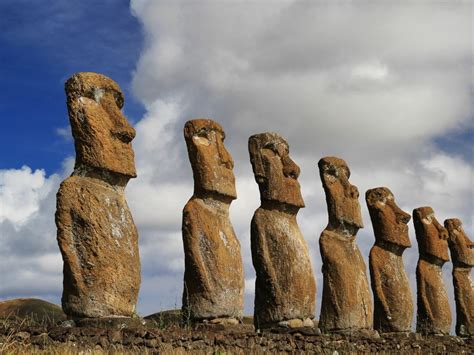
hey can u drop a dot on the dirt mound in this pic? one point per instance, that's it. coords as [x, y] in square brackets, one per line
[32, 309]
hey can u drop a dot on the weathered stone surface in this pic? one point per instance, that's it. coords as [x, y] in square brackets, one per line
[96, 233]
[213, 277]
[462, 255]
[285, 287]
[433, 312]
[346, 302]
[393, 303]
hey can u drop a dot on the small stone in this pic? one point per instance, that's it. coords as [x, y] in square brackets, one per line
[67, 324]
[224, 321]
[291, 323]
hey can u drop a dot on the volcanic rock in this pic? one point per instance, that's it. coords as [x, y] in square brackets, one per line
[393, 303]
[285, 287]
[213, 276]
[346, 302]
[96, 233]
[462, 255]
[433, 311]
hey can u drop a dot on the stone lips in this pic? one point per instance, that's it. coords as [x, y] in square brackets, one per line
[346, 302]
[393, 304]
[433, 311]
[213, 277]
[462, 255]
[285, 287]
[102, 134]
[96, 234]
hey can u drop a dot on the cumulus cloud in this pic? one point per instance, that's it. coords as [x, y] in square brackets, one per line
[374, 84]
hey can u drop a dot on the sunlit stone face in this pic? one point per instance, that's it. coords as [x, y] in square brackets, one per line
[459, 244]
[432, 237]
[341, 196]
[102, 134]
[389, 221]
[211, 162]
[275, 172]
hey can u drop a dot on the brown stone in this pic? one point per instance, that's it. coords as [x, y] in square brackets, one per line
[393, 303]
[96, 233]
[213, 276]
[285, 287]
[462, 255]
[346, 302]
[433, 311]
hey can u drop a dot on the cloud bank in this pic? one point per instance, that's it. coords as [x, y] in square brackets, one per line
[374, 84]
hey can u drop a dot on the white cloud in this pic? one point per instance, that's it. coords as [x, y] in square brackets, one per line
[21, 190]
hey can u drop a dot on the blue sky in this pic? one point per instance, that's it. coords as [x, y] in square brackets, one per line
[44, 43]
[387, 87]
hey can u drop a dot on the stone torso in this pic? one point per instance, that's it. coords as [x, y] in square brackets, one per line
[285, 285]
[464, 292]
[99, 244]
[213, 279]
[434, 315]
[393, 303]
[346, 301]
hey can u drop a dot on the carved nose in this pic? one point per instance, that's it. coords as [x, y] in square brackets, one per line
[443, 233]
[401, 216]
[290, 169]
[225, 157]
[125, 134]
[353, 192]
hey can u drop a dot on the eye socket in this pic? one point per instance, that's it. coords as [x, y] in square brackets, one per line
[119, 100]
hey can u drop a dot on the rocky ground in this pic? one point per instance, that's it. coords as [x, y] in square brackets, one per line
[24, 328]
[23, 337]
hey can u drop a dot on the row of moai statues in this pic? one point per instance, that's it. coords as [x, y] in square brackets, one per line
[99, 241]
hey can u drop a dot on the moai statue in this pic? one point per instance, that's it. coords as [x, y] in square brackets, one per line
[213, 276]
[463, 261]
[393, 303]
[285, 288]
[433, 312]
[96, 234]
[346, 303]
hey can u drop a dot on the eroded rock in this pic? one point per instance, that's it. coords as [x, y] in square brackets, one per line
[393, 303]
[96, 233]
[285, 287]
[213, 277]
[433, 312]
[462, 255]
[346, 302]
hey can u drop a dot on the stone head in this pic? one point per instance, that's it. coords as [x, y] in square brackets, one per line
[431, 236]
[102, 134]
[211, 162]
[275, 172]
[459, 243]
[342, 197]
[390, 222]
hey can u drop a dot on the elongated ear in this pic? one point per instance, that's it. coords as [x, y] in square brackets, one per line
[256, 157]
